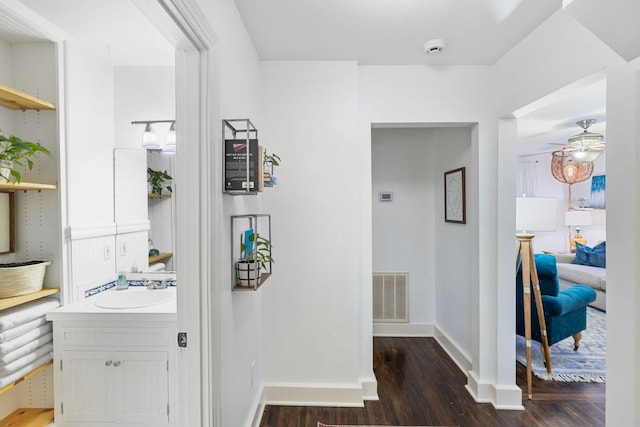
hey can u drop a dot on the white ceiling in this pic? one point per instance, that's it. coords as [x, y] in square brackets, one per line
[368, 31]
[546, 125]
[385, 32]
[127, 35]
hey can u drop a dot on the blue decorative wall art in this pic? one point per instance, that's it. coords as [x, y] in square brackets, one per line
[598, 186]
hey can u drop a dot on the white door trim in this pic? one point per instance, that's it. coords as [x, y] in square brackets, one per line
[198, 208]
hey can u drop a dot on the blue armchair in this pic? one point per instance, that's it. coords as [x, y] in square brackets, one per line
[565, 311]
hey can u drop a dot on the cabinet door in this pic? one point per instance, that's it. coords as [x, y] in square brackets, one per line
[141, 394]
[86, 386]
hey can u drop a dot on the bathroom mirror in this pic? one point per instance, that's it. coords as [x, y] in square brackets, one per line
[7, 222]
[161, 213]
[130, 208]
[142, 217]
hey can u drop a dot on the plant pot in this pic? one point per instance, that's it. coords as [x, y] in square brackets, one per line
[5, 170]
[248, 273]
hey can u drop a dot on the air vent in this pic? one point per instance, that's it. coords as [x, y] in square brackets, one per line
[391, 297]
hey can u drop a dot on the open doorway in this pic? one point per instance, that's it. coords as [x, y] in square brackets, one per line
[412, 240]
[180, 28]
[547, 168]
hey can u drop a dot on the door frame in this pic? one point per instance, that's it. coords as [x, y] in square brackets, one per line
[198, 206]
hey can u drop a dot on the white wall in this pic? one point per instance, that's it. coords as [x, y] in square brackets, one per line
[240, 314]
[6, 78]
[311, 303]
[90, 85]
[142, 93]
[404, 240]
[453, 243]
[89, 153]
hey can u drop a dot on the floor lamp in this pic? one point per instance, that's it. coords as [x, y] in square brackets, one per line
[533, 214]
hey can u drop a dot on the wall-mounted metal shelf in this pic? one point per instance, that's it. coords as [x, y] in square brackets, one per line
[250, 276]
[242, 162]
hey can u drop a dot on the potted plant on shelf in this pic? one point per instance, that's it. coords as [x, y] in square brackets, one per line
[13, 151]
[157, 179]
[268, 162]
[255, 253]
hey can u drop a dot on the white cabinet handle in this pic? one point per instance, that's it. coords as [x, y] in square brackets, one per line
[108, 363]
[116, 363]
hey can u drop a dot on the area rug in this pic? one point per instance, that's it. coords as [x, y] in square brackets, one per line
[588, 364]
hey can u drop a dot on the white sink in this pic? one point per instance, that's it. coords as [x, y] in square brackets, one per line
[134, 298]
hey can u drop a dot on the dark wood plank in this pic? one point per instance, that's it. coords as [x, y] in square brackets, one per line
[418, 384]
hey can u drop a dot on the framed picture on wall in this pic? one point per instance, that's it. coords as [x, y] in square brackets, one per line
[7, 223]
[455, 196]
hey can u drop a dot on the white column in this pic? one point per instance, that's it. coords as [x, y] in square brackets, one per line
[623, 353]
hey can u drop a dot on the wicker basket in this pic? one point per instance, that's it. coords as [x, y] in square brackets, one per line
[21, 278]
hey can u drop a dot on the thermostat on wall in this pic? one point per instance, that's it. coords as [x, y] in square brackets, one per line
[385, 196]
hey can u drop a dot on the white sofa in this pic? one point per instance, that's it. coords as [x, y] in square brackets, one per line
[570, 274]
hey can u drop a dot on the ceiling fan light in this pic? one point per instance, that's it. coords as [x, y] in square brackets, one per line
[583, 156]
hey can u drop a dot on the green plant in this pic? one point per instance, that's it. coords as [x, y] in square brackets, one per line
[261, 250]
[14, 150]
[157, 179]
[272, 159]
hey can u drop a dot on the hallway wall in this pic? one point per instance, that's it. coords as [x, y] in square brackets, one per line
[403, 161]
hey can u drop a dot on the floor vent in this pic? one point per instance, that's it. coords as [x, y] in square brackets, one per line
[390, 297]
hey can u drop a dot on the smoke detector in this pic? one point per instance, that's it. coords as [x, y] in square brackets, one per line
[434, 47]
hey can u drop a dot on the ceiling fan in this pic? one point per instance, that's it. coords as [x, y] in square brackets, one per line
[586, 146]
[583, 147]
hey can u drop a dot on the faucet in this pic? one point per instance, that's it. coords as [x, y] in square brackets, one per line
[155, 284]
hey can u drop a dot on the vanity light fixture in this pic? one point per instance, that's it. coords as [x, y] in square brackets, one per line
[170, 146]
[150, 140]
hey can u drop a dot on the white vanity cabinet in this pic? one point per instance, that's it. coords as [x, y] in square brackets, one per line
[114, 369]
[125, 387]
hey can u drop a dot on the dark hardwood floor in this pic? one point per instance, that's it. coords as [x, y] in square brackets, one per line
[419, 385]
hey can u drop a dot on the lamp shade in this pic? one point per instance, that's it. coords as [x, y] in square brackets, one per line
[577, 218]
[149, 139]
[535, 214]
[568, 171]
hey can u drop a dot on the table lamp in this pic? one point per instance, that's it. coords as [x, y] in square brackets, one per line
[533, 214]
[576, 219]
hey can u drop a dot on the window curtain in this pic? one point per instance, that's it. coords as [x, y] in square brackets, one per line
[526, 178]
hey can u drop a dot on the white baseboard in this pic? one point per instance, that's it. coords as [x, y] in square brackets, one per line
[369, 388]
[339, 395]
[258, 412]
[459, 357]
[509, 398]
[501, 397]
